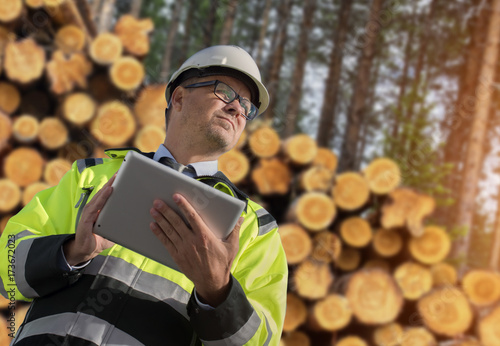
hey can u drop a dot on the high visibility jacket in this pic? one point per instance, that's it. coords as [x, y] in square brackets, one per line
[123, 298]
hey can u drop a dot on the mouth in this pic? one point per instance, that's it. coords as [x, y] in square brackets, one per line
[228, 120]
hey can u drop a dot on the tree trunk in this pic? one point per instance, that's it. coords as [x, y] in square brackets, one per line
[495, 248]
[327, 121]
[227, 27]
[135, 8]
[461, 118]
[169, 46]
[474, 156]
[187, 33]
[300, 64]
[210, 23]
[106, 16]
[277, 57]
[357, 108]
[263, 30]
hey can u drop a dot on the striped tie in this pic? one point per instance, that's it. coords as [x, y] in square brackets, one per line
[179, 167]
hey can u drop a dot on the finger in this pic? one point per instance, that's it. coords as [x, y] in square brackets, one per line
[191, 215]
[234, 236]
[165, 226]
[170, 215]
[164, 239]
[100, 198]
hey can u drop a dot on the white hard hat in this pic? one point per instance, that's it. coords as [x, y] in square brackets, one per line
[223, 60]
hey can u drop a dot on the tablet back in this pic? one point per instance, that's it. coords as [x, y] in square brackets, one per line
[125, 218]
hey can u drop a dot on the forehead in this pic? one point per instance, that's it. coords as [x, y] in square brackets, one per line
[234, 83]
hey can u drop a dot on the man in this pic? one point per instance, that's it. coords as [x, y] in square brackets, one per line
[89, 291]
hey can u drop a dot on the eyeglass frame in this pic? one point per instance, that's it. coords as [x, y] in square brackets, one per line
[215, 83]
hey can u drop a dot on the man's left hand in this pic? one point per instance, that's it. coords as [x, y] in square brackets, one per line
[200, 255]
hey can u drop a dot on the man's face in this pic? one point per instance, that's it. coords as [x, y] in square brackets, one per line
[209, 121]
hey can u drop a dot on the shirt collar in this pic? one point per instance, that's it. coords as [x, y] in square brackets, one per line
[201, 168]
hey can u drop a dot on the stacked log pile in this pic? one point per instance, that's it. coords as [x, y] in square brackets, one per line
[365, 268]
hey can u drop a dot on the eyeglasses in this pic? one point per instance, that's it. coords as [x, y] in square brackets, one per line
[228, 95]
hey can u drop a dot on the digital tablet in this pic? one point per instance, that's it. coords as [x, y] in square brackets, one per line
[125, 217]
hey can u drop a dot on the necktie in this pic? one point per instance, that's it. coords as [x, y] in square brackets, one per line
[179, 167]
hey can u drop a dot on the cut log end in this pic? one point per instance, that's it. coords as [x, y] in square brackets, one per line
[388, 335]
[327, 247]
[296, 313]
[264, 142]
[271, 176]
[446, 311]
[55, 169]
[413, 279]
[114, 124]
[235, 165]
[106, 48]
[23, 166]
[312, 280]
[349, 259]
[351, 340]
[300, 149]
[316, 178]
[331, 313]
[295, 338]
[127, 73]
[10, 195]
[443, 274]
[10, 10]
[52, 133]
[148, 137]
[24, 61]
[432, 246]
[31, 190]
[70, 39]
[383, 175]
[350, 191]
[296, 243]
[326, 158]
[10, 98]
[482, 287]
[5, 130]
[26, 128]
[488, 327]
[315, 211]
[374, 296]
[418, 336]
[150, 106]
[387, 243]
[356, 232]
[79, 108]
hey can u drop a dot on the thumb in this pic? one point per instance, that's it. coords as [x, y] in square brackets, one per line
[235, 234]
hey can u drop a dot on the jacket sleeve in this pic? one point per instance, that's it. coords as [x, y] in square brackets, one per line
[30, 245]
[254, 310]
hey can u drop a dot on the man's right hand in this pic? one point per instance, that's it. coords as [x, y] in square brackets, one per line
[86, 244]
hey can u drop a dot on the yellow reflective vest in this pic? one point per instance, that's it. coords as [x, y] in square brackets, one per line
[123, 298]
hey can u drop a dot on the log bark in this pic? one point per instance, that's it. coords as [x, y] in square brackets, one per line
[106, 15]
[227, 27]
[135, 8]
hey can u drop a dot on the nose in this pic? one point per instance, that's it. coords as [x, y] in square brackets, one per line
[234, 108]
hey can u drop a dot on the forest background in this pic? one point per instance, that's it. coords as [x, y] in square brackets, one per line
[395, 78]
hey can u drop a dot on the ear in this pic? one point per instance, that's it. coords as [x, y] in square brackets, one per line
[177, 98]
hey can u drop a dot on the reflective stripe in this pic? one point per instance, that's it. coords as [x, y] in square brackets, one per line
[269, 332]
[21, 253]
[3, 292]
[79, 325]
[242, 336]
[18, 236]
[266, 222]
[154, 285]
[84, 163]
